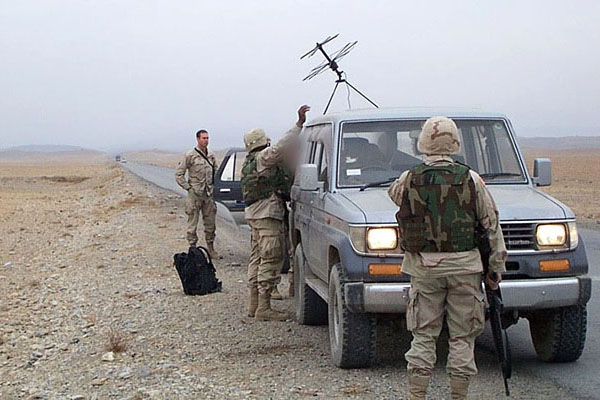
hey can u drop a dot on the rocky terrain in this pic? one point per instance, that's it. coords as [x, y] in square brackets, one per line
[91, 307]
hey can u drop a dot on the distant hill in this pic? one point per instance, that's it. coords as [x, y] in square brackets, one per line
[52, 153]
[45, 148]
[560, 143]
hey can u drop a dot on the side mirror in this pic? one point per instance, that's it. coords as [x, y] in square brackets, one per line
[307, 177]
[542, 172]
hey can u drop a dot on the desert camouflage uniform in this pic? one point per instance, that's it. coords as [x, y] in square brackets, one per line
[199, 186]
[266, 220]
[449, 283]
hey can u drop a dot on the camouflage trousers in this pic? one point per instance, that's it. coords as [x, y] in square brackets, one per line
[461, 299]
[266, 254]
[195, 205]
[288, 251]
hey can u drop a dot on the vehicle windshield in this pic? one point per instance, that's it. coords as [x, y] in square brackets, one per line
[374, 152]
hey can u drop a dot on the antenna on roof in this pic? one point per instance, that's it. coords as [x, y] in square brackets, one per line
[332, 63]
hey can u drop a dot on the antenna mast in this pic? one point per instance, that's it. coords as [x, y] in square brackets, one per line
[332, 63]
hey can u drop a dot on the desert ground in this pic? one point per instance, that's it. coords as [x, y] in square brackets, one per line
[575, 180]
[91, 307]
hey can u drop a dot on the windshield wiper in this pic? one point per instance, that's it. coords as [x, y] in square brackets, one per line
[379, 183]
[498, 174]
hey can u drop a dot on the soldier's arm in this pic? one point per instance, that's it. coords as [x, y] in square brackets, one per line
[397, 188]
[180, 173]
[487, 212]
[273, 155]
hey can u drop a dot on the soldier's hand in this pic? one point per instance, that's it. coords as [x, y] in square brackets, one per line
[493, 284]
[302, 115]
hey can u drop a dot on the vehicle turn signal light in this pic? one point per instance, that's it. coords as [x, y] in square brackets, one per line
[385, 269]
[554, 265]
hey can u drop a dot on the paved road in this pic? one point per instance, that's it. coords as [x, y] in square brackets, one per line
[581, 378]
[165, 178]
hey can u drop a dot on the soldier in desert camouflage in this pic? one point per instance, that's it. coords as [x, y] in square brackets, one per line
[442, 203]
[266, 182]
[200, 165]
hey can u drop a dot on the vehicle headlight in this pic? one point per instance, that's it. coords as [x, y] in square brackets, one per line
[551, 235]
[382, 238]
[573, 235]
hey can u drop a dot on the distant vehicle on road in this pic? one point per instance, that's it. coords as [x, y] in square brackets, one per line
[348, 260]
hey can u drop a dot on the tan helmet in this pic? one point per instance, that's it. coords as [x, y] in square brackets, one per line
[255, 138]
[439, 135]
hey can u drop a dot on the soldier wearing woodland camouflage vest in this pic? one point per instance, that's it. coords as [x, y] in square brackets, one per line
[442, 204]
[265, 184]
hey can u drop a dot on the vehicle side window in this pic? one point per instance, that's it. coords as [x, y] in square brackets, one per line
[233, 169]
[228, 170]
[311, 152]
[322, 167]
[240, 157]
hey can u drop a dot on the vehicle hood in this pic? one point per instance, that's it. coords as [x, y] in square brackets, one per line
[515, 202]
[523, 202]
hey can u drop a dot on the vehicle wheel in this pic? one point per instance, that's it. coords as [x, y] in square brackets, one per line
[559, 335]
[310, 308]
[351, 335]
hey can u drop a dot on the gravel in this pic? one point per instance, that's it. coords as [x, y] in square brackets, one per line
[88, 266]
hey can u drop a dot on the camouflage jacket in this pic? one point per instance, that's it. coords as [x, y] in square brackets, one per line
[430, 264]
[200, 172]
[266, 160]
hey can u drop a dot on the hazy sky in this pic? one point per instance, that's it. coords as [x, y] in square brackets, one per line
[148, 74]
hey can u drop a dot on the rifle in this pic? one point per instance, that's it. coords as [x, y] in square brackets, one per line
[494, 298]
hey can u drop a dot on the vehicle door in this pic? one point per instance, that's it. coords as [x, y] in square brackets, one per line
[317, 237]
[228, 187]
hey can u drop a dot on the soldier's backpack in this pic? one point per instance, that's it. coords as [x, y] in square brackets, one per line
[197, 272]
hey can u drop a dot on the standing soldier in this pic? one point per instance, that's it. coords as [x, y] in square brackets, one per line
[265, 183]
[442, 204]
[200, 165]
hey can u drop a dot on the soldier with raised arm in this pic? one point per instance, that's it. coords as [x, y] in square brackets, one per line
[266, 183]
[201, 166]
[442, 204]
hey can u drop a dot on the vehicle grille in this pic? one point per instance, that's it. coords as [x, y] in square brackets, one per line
[519, 236]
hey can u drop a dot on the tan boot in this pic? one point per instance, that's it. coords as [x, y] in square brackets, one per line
[418, 387]
[211, 250]
[275, 295]
[459, 387]
[252, 302]
[291, 280]
[264, 312]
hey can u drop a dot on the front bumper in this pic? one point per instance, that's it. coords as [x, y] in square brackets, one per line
[518, 294]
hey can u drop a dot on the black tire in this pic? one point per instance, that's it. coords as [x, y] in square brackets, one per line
[559, 335]
[310, 308]
[351, 335]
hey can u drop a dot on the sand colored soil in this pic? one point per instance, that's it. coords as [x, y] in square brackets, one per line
[575, 179]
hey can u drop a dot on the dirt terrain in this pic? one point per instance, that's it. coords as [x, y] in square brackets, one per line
[575, 180]
[91, 308]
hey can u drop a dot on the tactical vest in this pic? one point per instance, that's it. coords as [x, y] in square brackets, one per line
[438, 209]
[256, 187]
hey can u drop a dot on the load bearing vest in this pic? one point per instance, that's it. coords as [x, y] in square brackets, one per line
[438, 209]
[257, 186]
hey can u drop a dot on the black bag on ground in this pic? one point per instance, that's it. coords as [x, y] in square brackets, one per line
[197, 272]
